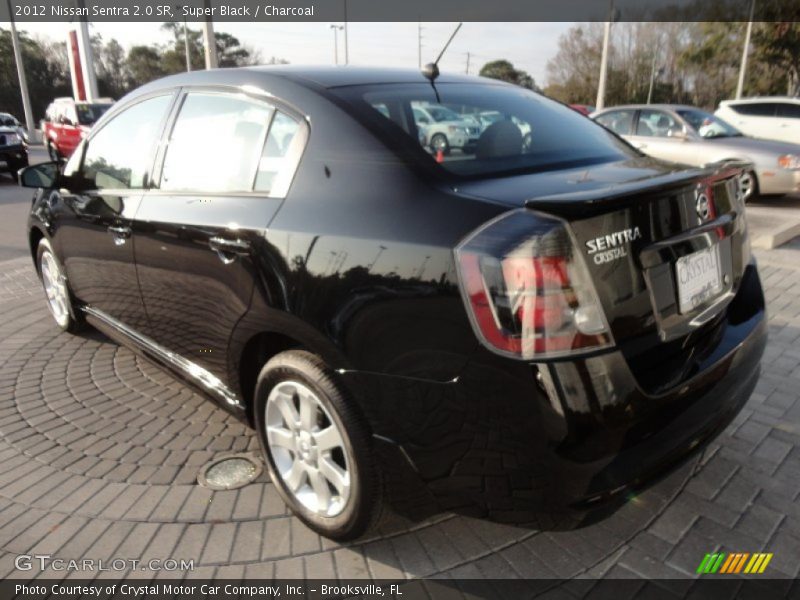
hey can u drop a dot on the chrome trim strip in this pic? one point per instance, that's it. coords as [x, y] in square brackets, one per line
[192, 370]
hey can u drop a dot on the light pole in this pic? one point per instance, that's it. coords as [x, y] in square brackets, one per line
[23, 81]
[346, 50]
[745, 51]
[336, 30]
[209, 40]
[186, 45]
[652, 75]
[601, 86]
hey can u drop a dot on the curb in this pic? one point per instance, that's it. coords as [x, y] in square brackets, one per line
[777, 237]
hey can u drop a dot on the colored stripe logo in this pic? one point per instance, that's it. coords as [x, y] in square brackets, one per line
[734, 562]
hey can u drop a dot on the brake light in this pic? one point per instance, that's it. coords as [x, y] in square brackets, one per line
[528, 293]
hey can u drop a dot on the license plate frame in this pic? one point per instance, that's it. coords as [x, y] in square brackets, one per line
[698, 278]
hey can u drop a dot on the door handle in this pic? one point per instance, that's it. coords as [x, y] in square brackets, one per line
[227, 249]
[120, 233]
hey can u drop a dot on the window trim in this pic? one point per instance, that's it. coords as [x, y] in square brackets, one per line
[293, 156]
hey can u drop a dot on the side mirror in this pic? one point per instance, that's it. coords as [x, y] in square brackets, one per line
[678, 134]
[43, 175]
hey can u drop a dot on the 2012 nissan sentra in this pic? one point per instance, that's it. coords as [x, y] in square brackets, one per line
[530, 331]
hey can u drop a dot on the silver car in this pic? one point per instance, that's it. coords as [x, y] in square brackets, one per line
[692, 136]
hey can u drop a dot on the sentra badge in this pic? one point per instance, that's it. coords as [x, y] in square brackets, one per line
[612, 246]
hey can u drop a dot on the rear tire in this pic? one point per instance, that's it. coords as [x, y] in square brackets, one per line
[748, 184]
[59, 297]
[317, 446]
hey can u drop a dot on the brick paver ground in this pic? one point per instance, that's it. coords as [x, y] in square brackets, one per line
[99, 452]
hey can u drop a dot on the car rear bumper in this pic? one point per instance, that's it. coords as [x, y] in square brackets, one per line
[13, 155]
[555, 445]
[778, 181]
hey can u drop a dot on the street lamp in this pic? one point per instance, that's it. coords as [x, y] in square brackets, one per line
[336, 30]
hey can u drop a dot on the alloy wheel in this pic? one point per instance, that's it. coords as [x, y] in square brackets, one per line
[308, 448]
[55, 288]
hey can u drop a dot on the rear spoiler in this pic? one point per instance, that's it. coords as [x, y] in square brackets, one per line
[589, 202]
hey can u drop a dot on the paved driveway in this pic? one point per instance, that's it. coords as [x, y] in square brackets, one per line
[99, 452]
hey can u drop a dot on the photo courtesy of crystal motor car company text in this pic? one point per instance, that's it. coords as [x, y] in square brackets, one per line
[307, 295]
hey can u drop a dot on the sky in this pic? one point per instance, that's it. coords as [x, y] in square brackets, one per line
[527, 45]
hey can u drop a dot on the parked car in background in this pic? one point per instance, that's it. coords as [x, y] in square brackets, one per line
[9, 120]
[67, 122]
[770, 117]
[13, 145]
[691, 136]
[584, 109]
[530, 337]
[444, 128]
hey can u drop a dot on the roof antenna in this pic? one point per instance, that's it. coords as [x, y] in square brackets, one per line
[431, 70]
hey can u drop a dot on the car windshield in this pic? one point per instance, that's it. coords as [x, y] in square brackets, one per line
[511, 129]
[89, 113]
[707, 125]
[7, 120]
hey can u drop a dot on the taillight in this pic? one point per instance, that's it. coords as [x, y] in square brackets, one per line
[528, 292]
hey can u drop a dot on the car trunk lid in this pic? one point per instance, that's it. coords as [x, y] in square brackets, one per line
[641, 227]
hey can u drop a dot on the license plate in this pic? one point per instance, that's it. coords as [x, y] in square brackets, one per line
[698, 278]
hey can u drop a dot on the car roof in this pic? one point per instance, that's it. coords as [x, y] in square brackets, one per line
[649, 106]
[322, 76]
[755, 99]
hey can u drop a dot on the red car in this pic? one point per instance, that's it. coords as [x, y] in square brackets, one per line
[67, 122]
[584, 109]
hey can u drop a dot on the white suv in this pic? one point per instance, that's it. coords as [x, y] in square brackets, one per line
[772, 118]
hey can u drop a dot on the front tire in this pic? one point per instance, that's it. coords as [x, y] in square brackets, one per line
[317, 446]
[59, 299]
[439, 142]
[52, 152]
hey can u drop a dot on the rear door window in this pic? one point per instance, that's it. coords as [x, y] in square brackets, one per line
[277, 161]
[755, 109]
[216, 143]
[618, 121]
[788, 110]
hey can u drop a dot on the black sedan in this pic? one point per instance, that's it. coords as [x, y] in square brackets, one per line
[529, 333]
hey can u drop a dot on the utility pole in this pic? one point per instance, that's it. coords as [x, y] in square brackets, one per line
[87, 56]
[467, 71]
[745, 51]
[23, 81]
[209, 40]
[186, 46]
[346, 51]
[601, 86]
[336, 29]
[419, 44]
[652, 75]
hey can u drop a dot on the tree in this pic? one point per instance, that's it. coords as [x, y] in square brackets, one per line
[144, 64]
[778, 45]
[505, 71]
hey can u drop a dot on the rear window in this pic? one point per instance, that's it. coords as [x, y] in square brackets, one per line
[482, 130]
[88, 114]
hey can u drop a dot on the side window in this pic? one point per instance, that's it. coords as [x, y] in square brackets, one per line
[656, 123]
[420, 117]
[119, 155]
[275, 160]
[755, 109]
[790, 111]
[236, 126]
[618, 121]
